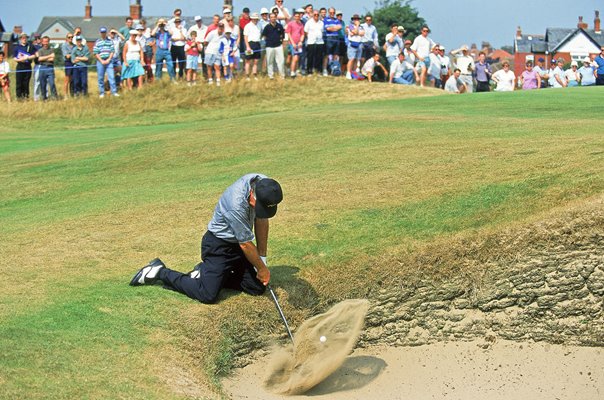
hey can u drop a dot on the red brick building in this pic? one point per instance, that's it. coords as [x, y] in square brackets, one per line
[566, 43]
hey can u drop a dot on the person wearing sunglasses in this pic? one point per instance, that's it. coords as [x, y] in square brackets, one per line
[66, 49]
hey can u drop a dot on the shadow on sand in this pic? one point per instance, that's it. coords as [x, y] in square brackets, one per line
[356, 372]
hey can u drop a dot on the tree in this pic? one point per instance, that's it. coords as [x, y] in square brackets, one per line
[388, 12]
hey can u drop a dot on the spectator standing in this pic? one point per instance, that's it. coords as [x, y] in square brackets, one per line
[213, 26]
[236, 36]
[162, 44]
[226, 12]
[445, 65]
[402, 72]
[78, 32]
[295, 33]
[558, 77]
[46, 58]
[147, 44]
[482, 73]
[542, 72]
[244, 19]
[599, 61]
[133, 61]
[193, 50]
[4, 80]
[322, 13]
[283, 15]
[587, 72]
[23, 54]
[369, 41]
[572, 75]
[530, 79]
[455, 84]
[37, 46]
[178, 37]
[104, 51]
[118, 39]
[125, 30]
[66, 49]
[177, 13]
[465, 63]
[212, 55]
[228, 50]
[262, 23]
[355, 47]
[274, 34]
[332, 27]
[342, 39]
[199, 28]
[315, 45]
[422, 45]
[505, 79]
[251, 38]
[80, 56]
[368, 69]
[393, 45]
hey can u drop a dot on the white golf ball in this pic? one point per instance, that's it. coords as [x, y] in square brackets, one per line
[323, 339]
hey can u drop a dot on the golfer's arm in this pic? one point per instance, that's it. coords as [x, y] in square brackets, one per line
[251, 253]
[261, 230]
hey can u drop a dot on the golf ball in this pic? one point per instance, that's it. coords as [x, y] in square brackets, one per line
[322, 339]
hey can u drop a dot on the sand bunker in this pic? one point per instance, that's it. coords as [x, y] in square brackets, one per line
[296, 369]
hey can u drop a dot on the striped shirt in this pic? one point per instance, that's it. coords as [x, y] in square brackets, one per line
[103, 48]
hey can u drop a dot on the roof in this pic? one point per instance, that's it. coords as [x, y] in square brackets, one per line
[2, 29]
[530, 44]
[555, 36]
[90, 28]
[500, 55]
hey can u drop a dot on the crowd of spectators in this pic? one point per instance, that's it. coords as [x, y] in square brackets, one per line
[274, 41]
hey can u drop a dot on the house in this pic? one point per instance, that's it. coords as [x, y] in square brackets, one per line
[566, 43]
[56, 28]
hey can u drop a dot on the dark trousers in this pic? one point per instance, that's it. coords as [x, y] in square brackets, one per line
[179, 59]
[224, 266]
[22, 79]
[600, 80]
[79, 77]
[482, 86]
[314, 60]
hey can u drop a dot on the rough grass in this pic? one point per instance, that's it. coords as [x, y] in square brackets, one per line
[370, 185]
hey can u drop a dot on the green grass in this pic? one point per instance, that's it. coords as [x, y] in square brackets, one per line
[82, 207]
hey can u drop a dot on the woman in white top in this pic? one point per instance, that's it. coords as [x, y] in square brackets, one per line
[572, 75]
[4, 82]
[133, 60]
[504, 78]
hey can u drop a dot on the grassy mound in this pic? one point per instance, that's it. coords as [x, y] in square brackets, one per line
[94, 189]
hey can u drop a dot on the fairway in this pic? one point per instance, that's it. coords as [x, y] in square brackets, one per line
[90, 196]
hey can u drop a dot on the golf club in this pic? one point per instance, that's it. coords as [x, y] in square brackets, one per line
[270, 289]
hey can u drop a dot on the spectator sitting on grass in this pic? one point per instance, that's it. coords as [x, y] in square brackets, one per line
[572, 75]
[542, 72]
[587, 72]
[505, 79]
[4, 81]
[445, 66]
[454, 84]
[368, 69]
[192, 49]
[80, 56]
[530, 79]
[465, 63]
[402, 72]
[133, 61]
[434, 67]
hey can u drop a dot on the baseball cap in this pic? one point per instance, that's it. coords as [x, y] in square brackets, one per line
[255, 16]
[339, 12]
[441, 47]
[246, 10]
[198, 18]
[264, 10]
[587, 60]
[139, 27]
[133, 32]
[78, 38]
[103, 29]
[268, 194]
[226, 10]
[541, 59]
[400, 28]
[299, 11]
[228, 30]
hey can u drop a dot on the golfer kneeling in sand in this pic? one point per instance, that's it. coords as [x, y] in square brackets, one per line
[230, 258]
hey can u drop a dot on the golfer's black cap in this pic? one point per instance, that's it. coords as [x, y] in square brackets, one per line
[268, 195]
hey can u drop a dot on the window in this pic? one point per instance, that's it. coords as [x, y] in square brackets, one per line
[578, 56]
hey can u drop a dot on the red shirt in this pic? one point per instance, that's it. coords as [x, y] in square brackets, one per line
[211, 27]
[243, 21]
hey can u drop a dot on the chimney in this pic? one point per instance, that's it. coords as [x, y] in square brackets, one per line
[581, 24]
[519, 33]
[88, 11]
[597, 23]
[136, 10]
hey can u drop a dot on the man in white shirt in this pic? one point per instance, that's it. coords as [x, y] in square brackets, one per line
[315, 46]
[177, 50]
[423, 45]
[393, 45]
[251, 38]
[283, 15]
[445, 65]
[465, 63]
[199, 27]
[212, 57]
[402, 72]
[455, 84]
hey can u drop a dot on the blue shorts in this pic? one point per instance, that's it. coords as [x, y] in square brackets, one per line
[192, 62]
[294, 52]
[212, 59]
[355, 53]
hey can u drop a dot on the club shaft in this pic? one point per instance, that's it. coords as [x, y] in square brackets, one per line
[289, 332]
